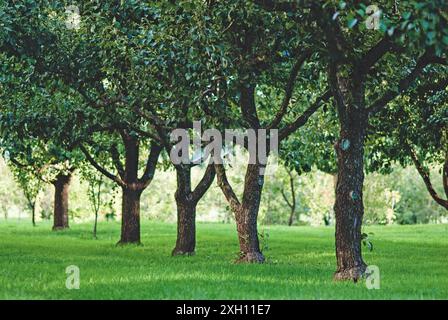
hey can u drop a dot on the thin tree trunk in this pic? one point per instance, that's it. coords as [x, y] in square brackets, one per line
[293, 199]
[349, 208]
[61, 194]
[445, 175]
[33, 214]
[95, 225]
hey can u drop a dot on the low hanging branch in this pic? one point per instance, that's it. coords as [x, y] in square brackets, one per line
[303, 118]
[151, 164]
[426, 59]
[426, 177]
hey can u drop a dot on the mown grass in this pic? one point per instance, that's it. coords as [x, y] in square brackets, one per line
[413, 263]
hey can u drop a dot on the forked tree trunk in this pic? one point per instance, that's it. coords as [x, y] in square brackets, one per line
[186, 213]
[61, 193]
[130, 224]
[246, 216]
[349, 209]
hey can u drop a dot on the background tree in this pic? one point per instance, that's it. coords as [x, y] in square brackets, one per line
[31, 187]
[421, 136]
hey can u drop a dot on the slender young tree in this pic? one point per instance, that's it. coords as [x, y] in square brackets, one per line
[31, 187]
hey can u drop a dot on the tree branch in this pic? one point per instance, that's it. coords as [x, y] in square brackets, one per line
[286, 198]
[404, 84]
[375, 53]
[151, 165]
[226, 188]
[303, 118]
[425, 176]
[100, 168]
[248, 107]
[290, 88]
[116, 160]
[205, 182]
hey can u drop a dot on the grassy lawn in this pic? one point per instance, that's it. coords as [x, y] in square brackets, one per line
[413, 262]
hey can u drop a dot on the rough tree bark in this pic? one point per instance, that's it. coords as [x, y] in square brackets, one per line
[61, 194]
[349, 208]
[246, 216]
[130, 224]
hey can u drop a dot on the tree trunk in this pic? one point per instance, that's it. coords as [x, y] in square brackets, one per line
[293, 199]
[349, 207]
[131, 193]
[186, 213]
[33, 214]
[186, 228]
[445, 176]
[95, 225]
[246, 216]
[130, 220]
[60, 214]
[291, 217]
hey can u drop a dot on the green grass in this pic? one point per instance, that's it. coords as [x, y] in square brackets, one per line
[413, 262]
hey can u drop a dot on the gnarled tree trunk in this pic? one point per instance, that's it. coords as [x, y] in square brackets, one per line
[349, 208]
[247, 214]
[61, 194]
